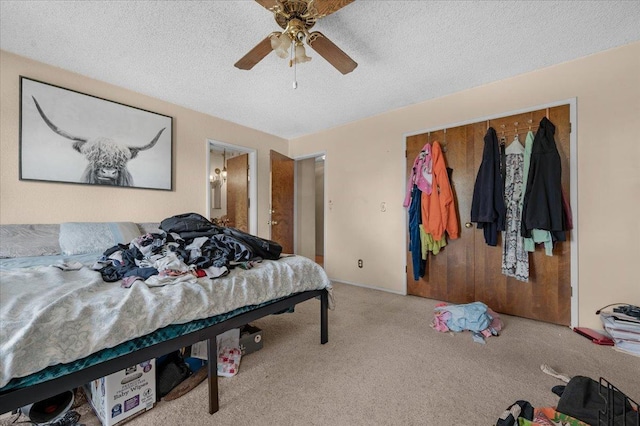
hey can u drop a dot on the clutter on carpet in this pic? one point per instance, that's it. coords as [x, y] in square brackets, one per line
[583, 401]
[475, 317]
[623, 324]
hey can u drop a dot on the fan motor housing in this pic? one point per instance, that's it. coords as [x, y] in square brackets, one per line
[295, 9]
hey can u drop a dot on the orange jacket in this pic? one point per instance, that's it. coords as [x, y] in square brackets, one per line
[438, 208]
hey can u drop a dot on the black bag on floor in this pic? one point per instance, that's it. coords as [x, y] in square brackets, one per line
[171, 371]
[581, 399]
[511, 415]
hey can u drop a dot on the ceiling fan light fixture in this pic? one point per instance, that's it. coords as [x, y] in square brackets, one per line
[296, 18]
[280, 44]
[300, 54]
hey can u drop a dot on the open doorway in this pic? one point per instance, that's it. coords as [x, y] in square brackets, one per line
[232, 186]
[309, 207]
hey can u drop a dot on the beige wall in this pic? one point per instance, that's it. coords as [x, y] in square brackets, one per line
[365, 166]
[39, 202]
[306, 208]
[319, 207]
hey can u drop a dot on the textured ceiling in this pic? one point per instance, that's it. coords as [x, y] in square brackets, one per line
[407, 51]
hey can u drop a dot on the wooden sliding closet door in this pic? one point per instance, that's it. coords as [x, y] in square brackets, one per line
[449, 275]
[468, 269]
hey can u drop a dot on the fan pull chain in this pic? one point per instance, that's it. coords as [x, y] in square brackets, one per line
[295, 67]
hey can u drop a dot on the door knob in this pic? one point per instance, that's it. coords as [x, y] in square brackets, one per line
[468, 225]
[272, 222]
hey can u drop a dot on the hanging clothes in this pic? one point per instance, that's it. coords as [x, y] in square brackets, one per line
[421, 174]
[419, 183]
[537, 235]
[542, 206]
[429, 245]
[438, 208]
[415, 243]
[515, 259]
[487, 206]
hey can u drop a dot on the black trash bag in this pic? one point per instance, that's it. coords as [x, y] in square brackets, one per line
[171, 371]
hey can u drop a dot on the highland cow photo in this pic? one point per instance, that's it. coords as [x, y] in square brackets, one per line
[67, 136]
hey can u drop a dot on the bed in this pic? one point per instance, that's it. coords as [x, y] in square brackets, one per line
[64, 325]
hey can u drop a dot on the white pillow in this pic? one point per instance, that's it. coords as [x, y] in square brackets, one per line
[92, 237]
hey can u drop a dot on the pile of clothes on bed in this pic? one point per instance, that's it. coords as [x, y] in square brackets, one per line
[189, 247]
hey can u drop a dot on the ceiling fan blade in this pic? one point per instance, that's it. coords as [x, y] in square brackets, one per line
[332, 53]
[326, 7]
[267, 4]
[256, 54]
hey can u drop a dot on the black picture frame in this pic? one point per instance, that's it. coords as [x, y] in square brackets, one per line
[72, 137]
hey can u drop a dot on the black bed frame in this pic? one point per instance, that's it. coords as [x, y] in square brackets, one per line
[19, 397]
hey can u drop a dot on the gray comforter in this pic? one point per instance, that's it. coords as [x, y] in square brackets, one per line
[50, 316]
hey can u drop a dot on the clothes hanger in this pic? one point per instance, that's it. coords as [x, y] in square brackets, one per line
[503, 139]
[516, 137]
[443, 147]
[515, 147]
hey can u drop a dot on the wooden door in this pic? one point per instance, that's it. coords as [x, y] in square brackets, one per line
[238, 192]
[449, 274]
[282, 181]
[470, 270]
[547, 295]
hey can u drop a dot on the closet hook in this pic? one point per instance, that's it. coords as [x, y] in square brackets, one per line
[444, 143]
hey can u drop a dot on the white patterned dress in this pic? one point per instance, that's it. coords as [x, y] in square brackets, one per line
[515, 259]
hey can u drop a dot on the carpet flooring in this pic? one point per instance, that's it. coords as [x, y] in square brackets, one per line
[384, 365]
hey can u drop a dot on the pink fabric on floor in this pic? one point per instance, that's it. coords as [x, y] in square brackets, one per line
[440, 321]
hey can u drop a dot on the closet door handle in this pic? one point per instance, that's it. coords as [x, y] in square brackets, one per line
[468, 225]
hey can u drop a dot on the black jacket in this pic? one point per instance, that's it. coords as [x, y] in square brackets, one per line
[542, 206]
[192, 225]
[487, 207]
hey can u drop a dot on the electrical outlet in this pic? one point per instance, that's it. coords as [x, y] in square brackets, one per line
[359, 263]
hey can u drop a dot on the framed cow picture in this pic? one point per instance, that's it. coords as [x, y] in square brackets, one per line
[71, 137]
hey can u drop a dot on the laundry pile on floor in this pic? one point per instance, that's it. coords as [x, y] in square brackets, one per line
[583, 402]
[475, 317]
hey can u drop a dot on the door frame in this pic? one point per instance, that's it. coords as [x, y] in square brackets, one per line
[324, 202]
[573, 181]
[253, 178]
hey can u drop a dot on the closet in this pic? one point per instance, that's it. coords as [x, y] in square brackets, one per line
[467, 269]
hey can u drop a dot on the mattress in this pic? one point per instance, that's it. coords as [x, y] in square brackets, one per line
[50, 316]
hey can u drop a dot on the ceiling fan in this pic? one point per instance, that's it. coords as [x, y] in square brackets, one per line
[296, 18]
